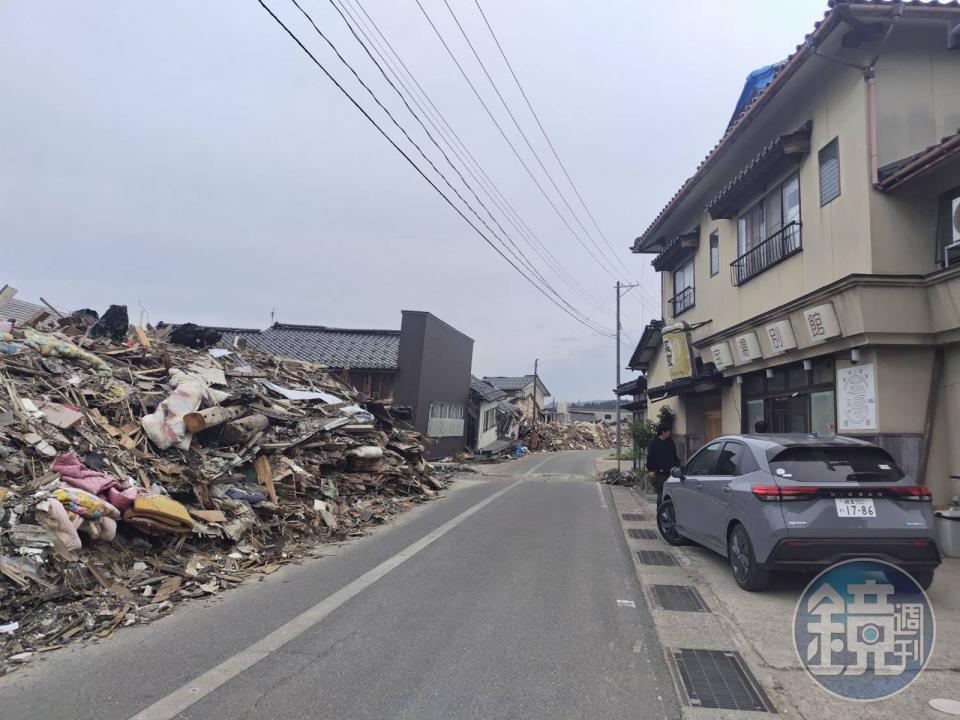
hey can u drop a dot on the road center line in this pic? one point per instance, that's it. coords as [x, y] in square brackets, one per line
[179, 700]
[530, 471]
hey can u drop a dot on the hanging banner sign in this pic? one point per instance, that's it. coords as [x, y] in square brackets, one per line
[747, 348]
[781, 336]
[722, 357]
[821, 322]
[676, 349]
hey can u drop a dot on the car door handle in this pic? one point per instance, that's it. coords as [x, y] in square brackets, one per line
[725, 489]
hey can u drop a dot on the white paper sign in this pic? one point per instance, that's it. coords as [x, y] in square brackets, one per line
[857, 398]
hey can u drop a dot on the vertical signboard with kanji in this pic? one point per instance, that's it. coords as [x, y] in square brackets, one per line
[856, 398]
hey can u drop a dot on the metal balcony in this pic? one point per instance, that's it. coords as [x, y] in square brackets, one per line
[775, 249]
[682, 301]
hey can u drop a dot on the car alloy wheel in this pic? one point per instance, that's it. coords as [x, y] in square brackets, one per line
[667, 523]
[748, 574]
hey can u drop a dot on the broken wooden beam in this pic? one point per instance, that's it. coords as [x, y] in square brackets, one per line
[239, 431]
[213, 416]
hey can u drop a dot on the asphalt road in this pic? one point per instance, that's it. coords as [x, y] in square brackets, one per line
[498, 601]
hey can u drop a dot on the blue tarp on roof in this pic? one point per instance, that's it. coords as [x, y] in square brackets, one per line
[755, 82]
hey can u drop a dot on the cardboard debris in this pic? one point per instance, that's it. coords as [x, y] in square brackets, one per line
[280, 458]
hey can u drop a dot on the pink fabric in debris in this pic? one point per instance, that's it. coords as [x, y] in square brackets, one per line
[95, 482]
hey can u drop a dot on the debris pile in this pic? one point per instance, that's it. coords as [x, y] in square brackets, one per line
[571, 436]
[136, 472]
[617, 477]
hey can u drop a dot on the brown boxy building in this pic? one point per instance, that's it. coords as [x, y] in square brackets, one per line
[811, 265]
[425, 365]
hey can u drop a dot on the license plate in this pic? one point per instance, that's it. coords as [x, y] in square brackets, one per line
[855, 507]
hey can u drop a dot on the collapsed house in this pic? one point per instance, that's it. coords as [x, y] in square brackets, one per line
[136, 472]
[424, 366]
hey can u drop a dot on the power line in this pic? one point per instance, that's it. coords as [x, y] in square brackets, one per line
[602, 260]
[547, 259]
[416, 167]
[507, 139]
[524, 261]
[550, 144]
[363, 22]
[526, 139]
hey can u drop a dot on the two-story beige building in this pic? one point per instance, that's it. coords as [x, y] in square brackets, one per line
[810, 266]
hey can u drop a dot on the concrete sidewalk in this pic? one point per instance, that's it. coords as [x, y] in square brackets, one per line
[759, 627]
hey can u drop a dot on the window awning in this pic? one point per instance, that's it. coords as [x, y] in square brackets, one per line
[685, 386]
[903, 171]
[631, 387]
[772, 161]
[683, 246]
[647, 347]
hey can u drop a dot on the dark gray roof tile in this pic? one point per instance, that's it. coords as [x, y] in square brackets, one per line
[336, 347]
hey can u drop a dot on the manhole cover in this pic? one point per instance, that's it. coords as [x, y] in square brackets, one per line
[656, 557]
[719, 679]
[633, 517]
[641, 534]
[679, 597]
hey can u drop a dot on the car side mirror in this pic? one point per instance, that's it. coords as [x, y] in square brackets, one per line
[677, 472]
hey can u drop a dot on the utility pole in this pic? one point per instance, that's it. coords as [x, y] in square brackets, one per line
[536, 364]
[626, 288]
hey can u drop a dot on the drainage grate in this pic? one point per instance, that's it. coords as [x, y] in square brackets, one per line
[633, 517]
[679, 597]
[641, 534]
[656, 557]
[719, 679]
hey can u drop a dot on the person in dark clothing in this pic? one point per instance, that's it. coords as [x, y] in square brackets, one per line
[760, 426]
[661, 458]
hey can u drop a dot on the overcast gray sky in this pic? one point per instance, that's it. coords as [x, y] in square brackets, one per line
[186, 156]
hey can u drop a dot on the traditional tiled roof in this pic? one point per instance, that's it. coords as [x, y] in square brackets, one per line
[647, 347]
[485, 391]
[772, 159]
[512, 383]
[896, 173]
[20, 310]
[356, 349]
[837, 9]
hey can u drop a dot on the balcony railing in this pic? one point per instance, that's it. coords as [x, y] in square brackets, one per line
[776, 248]
[682, 301]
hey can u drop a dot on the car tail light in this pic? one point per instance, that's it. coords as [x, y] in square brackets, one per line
[775, 493]
[913, 493]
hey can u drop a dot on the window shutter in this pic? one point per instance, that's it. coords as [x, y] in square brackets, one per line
[829, 172]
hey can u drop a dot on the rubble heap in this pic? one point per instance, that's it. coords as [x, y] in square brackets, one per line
[571, 436]
[135, 473]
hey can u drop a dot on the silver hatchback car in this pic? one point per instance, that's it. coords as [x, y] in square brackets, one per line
[799, 502]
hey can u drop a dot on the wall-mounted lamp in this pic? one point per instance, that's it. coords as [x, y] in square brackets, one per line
[807, 365]
[739, 380]
[769, 373]
[855, 356]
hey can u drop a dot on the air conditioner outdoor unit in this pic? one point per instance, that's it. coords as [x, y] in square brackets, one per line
[955, 216]
[952, 251]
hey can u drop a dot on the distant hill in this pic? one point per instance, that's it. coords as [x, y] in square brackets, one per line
[599, 404]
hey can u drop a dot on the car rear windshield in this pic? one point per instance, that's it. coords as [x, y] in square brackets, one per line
[835, 464]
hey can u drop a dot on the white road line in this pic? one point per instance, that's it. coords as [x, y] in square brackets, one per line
[545, 460]
[626, 603]
[603, 501]
[201, 686]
